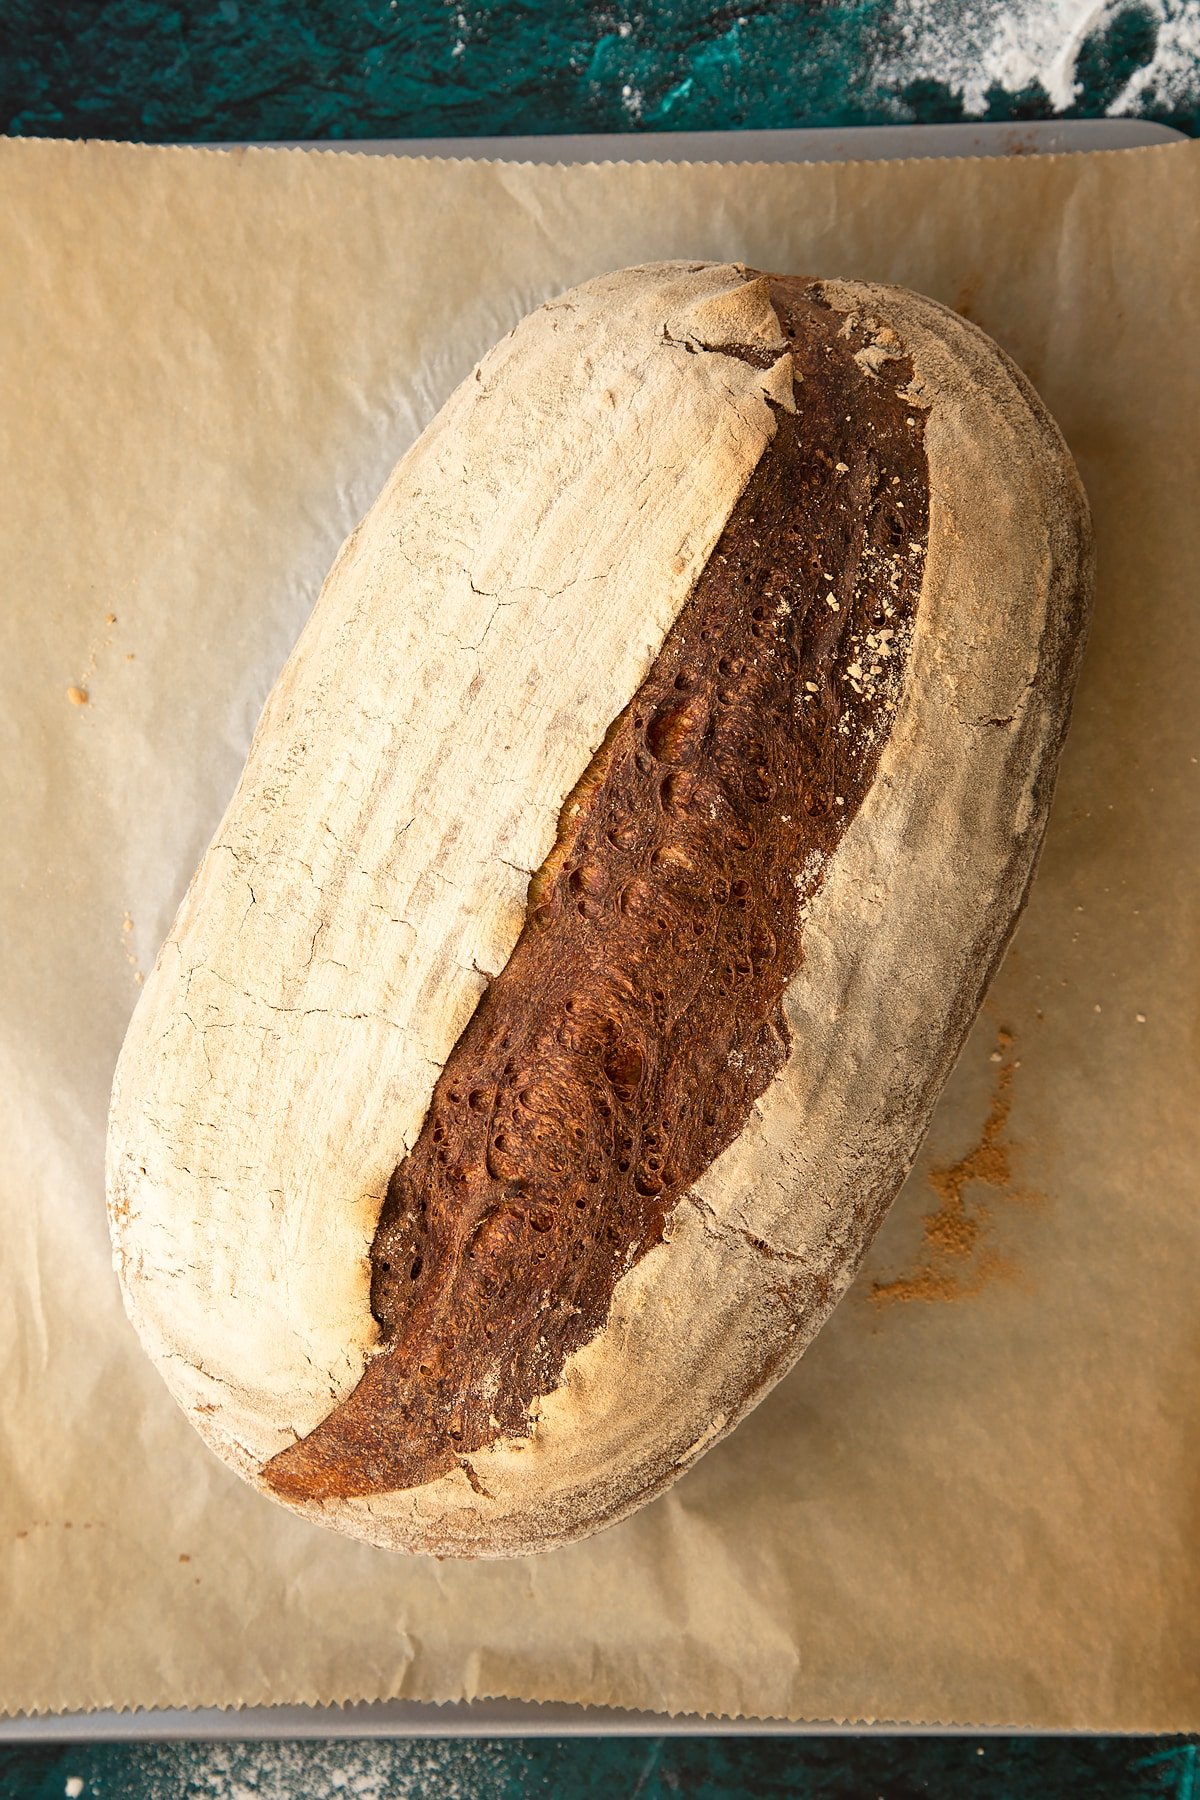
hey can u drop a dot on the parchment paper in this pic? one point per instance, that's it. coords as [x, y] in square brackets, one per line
[973, 1501]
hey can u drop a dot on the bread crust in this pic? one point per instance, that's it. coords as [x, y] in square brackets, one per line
[324, 933]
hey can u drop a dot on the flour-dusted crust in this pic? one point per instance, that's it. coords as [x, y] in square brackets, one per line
[493, 614]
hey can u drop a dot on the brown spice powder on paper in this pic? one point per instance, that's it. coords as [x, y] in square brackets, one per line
[959, 1262]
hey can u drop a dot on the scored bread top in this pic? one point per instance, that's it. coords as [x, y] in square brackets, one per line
[624, 1042]
[495, 614]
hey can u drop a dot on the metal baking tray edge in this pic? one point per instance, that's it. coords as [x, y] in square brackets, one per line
[858, 143]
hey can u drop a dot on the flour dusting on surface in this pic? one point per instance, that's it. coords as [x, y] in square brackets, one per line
[1169, 78]
[350, 1769]
[977, 45]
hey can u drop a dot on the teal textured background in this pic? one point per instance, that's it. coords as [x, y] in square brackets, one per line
[271, 69]
[631, 1769]
[264, 70]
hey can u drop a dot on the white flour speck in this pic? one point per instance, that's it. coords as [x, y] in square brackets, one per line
[973, 45]
[1169, 78]
[349, 1769]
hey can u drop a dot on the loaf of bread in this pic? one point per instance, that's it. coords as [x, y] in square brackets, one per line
[618, 864]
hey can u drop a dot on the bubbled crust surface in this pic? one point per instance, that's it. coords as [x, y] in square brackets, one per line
[625, 1042]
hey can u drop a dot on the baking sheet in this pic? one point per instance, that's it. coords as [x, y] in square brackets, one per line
[818, 143]
[971, 1503]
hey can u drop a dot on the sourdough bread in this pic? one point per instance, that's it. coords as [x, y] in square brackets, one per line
[617, 867]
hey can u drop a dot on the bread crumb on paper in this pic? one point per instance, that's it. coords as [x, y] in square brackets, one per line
[79, 693]
[130, 957]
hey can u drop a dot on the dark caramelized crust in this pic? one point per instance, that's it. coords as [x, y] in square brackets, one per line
[638, 1019]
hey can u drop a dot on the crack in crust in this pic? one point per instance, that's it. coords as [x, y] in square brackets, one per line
[638, 1019]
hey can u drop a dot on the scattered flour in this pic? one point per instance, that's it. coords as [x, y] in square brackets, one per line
[1169, 78]
[350, 1769]
[973, 45]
